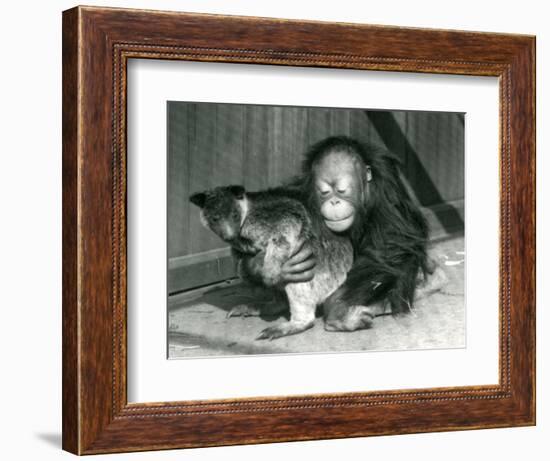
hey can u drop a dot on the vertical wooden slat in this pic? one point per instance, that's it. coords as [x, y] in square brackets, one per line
[202, 171]
[362, 129]
[437, 141]
[289, 141]
[340, 122]
[229, 146]
[318, 122]
[275, 162]
[178, 178]
[256, 146]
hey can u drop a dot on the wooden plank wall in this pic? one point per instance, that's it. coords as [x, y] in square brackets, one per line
[261, 146]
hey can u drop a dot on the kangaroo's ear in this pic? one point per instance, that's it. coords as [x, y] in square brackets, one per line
[237, 191]
[198, 199]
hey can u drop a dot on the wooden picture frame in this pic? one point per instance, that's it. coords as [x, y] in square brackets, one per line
[97, 43]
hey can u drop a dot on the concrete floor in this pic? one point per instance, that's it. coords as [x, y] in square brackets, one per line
[199, 327]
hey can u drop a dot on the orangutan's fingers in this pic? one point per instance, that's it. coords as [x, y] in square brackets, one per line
[304, 253]
[305, 276]
[308, 264]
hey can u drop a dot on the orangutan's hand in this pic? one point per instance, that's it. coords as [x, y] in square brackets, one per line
[301, 265]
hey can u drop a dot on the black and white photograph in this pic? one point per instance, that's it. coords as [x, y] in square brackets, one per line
[275, 230]
[298, 230]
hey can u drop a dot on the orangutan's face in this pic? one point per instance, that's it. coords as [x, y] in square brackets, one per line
[341, 183]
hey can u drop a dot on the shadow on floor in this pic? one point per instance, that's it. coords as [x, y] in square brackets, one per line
[51, 438]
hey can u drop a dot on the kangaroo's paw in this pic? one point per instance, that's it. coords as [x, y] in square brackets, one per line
[244, 310]
[283, 329]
